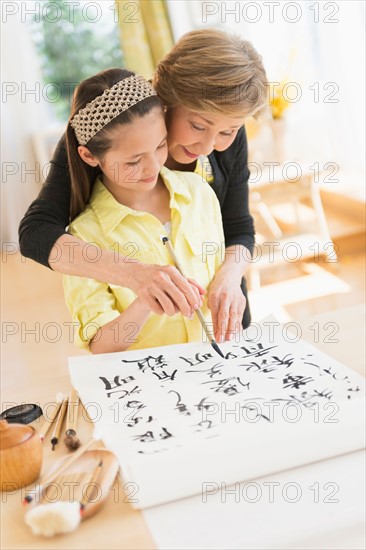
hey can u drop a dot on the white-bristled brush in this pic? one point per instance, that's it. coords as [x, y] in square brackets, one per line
[60, 517]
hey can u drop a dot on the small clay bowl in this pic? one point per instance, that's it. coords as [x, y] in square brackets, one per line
[20, 455]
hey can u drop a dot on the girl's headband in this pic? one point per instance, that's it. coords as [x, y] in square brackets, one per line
[104, 108]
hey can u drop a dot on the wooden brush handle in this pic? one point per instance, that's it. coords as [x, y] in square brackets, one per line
[173, 256]
[93, 479]
[72, 413]
[177, 264]
[49, 421]
[59, 421]
[65, 463]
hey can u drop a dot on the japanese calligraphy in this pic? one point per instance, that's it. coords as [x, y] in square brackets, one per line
[170, 394]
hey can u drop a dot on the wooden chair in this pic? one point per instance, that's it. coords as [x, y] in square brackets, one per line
[290, 221]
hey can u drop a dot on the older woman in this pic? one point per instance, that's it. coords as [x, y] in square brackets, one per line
[210, 83]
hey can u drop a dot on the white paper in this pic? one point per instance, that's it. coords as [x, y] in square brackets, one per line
[321, 505]
[179, 416]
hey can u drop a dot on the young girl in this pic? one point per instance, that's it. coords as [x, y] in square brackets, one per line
[117, 136]
[210, 82]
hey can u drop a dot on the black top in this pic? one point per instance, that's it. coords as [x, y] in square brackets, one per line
[48, 216]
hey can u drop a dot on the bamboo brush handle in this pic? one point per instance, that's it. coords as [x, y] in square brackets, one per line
[49, 478]
[173, 256]
[177, 264]
[72, 413]
[49, 421]
[93, 479]
[59, 421]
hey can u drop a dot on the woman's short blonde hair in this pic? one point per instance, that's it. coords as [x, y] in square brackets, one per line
[211, 71]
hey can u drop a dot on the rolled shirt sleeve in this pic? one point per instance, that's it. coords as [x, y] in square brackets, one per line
[92, 305]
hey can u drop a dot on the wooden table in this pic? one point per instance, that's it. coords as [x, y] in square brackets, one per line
[117, 525]
[36, 342]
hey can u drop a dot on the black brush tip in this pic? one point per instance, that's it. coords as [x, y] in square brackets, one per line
[217, 349]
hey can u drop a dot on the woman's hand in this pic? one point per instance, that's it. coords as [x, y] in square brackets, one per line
[225, 297]
[227, 304]
[164, 290]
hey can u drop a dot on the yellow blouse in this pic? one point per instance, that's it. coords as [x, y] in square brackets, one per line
[204, 169]
[196, 235]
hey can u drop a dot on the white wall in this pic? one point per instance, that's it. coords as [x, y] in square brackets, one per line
[23, 114]
[325, 45]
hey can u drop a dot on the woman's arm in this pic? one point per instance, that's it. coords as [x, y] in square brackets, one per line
[225, 297]
[105, 340]
[44, 239]
[48, 216]
[236, 218]
[161, 288]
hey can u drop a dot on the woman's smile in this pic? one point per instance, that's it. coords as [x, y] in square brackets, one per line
[189, 154]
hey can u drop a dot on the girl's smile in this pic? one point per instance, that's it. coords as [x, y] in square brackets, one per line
[149, 180]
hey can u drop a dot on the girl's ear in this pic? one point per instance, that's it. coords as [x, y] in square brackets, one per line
[87, 156]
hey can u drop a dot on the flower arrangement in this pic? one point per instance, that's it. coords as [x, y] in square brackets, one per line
[278, 102]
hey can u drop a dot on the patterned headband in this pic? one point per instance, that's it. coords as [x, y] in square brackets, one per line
[104, 108]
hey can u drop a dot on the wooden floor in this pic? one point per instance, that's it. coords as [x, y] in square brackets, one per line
[297, 291]
[36, 330]
[37, 333]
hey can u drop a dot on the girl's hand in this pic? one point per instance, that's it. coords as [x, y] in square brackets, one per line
[164, 290]
[227, 304]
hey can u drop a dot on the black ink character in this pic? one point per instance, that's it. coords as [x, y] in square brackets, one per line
[199, 358]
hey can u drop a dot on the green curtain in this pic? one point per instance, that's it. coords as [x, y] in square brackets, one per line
[145, 32]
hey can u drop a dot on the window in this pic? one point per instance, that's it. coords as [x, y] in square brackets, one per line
[74, 41]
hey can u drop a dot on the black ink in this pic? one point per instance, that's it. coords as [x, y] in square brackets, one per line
[231, 355]
[116, 383]
[199, 358]
[224, 386]
[149, 362]
[291, 381]
[206, 424]
[256, 351]
[216, 369]
[201, 405]
[180, 406]
[164, 376]
[148, 437]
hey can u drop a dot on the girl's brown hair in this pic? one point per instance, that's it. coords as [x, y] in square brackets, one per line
[211, 71]
[82, 175]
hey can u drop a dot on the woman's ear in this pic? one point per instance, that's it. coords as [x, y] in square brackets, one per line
[87, 156]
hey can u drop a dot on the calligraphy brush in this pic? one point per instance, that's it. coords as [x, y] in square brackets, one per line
[59, 517]
[200, 316]
[60, 469]
[58, 425]
[92, 481]
[71, 441]
[50, 419]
